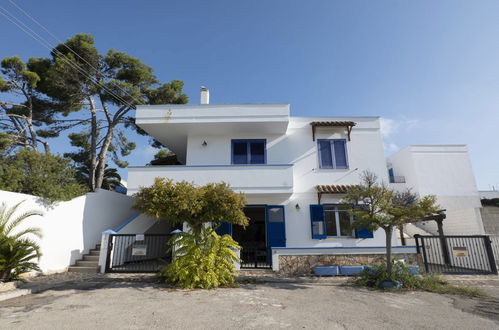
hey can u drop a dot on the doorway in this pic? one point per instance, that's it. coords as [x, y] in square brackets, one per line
[253, 238]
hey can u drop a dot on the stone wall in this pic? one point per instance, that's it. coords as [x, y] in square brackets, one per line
[302, 264]
[490, 219]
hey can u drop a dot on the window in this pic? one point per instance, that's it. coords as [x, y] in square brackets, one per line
[332, 153]
[248, 152]
[338, 221]
[334, 221]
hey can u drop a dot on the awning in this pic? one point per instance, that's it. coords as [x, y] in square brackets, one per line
[347, 124]
[332, 189]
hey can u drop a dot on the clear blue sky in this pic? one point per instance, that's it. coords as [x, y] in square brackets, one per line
[429, 68]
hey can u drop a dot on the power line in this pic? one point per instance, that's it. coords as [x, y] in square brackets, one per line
[60, 41]
[50, 47]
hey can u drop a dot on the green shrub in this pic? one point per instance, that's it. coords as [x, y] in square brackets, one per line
[377, 274]
[17, 249]
[204, 260]
[16, 258]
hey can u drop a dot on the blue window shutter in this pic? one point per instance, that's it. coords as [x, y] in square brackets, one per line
[363, 233]
[340, 154]
[317, 221]
[224, 228]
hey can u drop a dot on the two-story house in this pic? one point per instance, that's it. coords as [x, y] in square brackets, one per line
[293, 171]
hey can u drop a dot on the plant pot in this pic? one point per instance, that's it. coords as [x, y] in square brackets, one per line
[391, 285]
[351, 270]
[326, 270]
[414, 270]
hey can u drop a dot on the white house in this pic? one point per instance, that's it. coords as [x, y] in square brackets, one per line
[293, 170]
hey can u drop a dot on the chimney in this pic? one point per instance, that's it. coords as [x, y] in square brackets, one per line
[205, 95]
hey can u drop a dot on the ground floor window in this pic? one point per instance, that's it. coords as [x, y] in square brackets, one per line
[334, 221]
[338, 221]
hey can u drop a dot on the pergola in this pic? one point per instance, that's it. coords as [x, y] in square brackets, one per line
[332, 189]
[347, 124]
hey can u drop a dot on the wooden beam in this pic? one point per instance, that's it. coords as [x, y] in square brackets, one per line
[349, 130]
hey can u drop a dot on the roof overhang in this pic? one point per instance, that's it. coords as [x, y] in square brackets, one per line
[172, 124]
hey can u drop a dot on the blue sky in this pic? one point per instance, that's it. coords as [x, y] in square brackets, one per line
[429, 68]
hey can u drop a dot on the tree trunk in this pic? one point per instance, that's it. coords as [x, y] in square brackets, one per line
[101, 164]
[402, 237]
[93, 145]
[389, 263]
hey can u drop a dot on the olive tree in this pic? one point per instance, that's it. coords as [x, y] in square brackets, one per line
[377, 206]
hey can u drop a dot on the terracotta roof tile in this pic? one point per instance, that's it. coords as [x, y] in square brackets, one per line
[333, 123]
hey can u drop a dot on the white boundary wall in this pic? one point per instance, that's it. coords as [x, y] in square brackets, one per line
[70, 229]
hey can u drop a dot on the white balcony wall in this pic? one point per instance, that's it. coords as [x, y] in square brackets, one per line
[256, 179]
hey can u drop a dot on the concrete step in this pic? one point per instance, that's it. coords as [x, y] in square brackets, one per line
[87, 257]
[256, 272]
[82, 269]
[87, 263]
[94, 252]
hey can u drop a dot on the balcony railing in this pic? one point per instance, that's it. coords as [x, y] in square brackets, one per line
[397, 179]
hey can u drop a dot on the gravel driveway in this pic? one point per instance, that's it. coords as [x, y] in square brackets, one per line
[119, 303]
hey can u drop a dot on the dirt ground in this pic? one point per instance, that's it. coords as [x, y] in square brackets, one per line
[141, 303]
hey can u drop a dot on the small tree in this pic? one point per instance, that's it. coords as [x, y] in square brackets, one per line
[184, 202]
[204, 259]
[377, 206]
[45, 175]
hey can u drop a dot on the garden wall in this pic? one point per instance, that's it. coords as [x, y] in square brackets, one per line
[300, 262]
[70, 229]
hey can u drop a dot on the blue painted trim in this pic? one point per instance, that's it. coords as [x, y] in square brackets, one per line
[345, 247]
[221, 165]
[126, 222]
[248, 151]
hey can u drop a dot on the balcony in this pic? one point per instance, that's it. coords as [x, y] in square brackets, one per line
[171, 124]
[251, 180]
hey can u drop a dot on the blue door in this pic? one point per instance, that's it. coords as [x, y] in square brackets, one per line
[276, 229]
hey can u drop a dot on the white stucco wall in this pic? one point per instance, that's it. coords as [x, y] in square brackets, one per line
[70, 229]
[296, 147]
[444, 171]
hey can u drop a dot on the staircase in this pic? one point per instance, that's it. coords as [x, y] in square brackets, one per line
[89, 263]
[410, 230]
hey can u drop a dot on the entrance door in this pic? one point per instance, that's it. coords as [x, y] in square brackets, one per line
[276, 229]
[266, 229]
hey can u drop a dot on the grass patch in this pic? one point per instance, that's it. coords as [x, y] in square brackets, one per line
[374, 277]
[437, 284]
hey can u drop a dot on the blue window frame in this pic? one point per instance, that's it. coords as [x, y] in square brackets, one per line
[249, 151]
[332, 153]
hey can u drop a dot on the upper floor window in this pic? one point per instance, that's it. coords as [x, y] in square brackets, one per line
[249, 151]
[332, 153]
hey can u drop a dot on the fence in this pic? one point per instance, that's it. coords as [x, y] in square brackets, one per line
[128, 253]
[457, 254]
